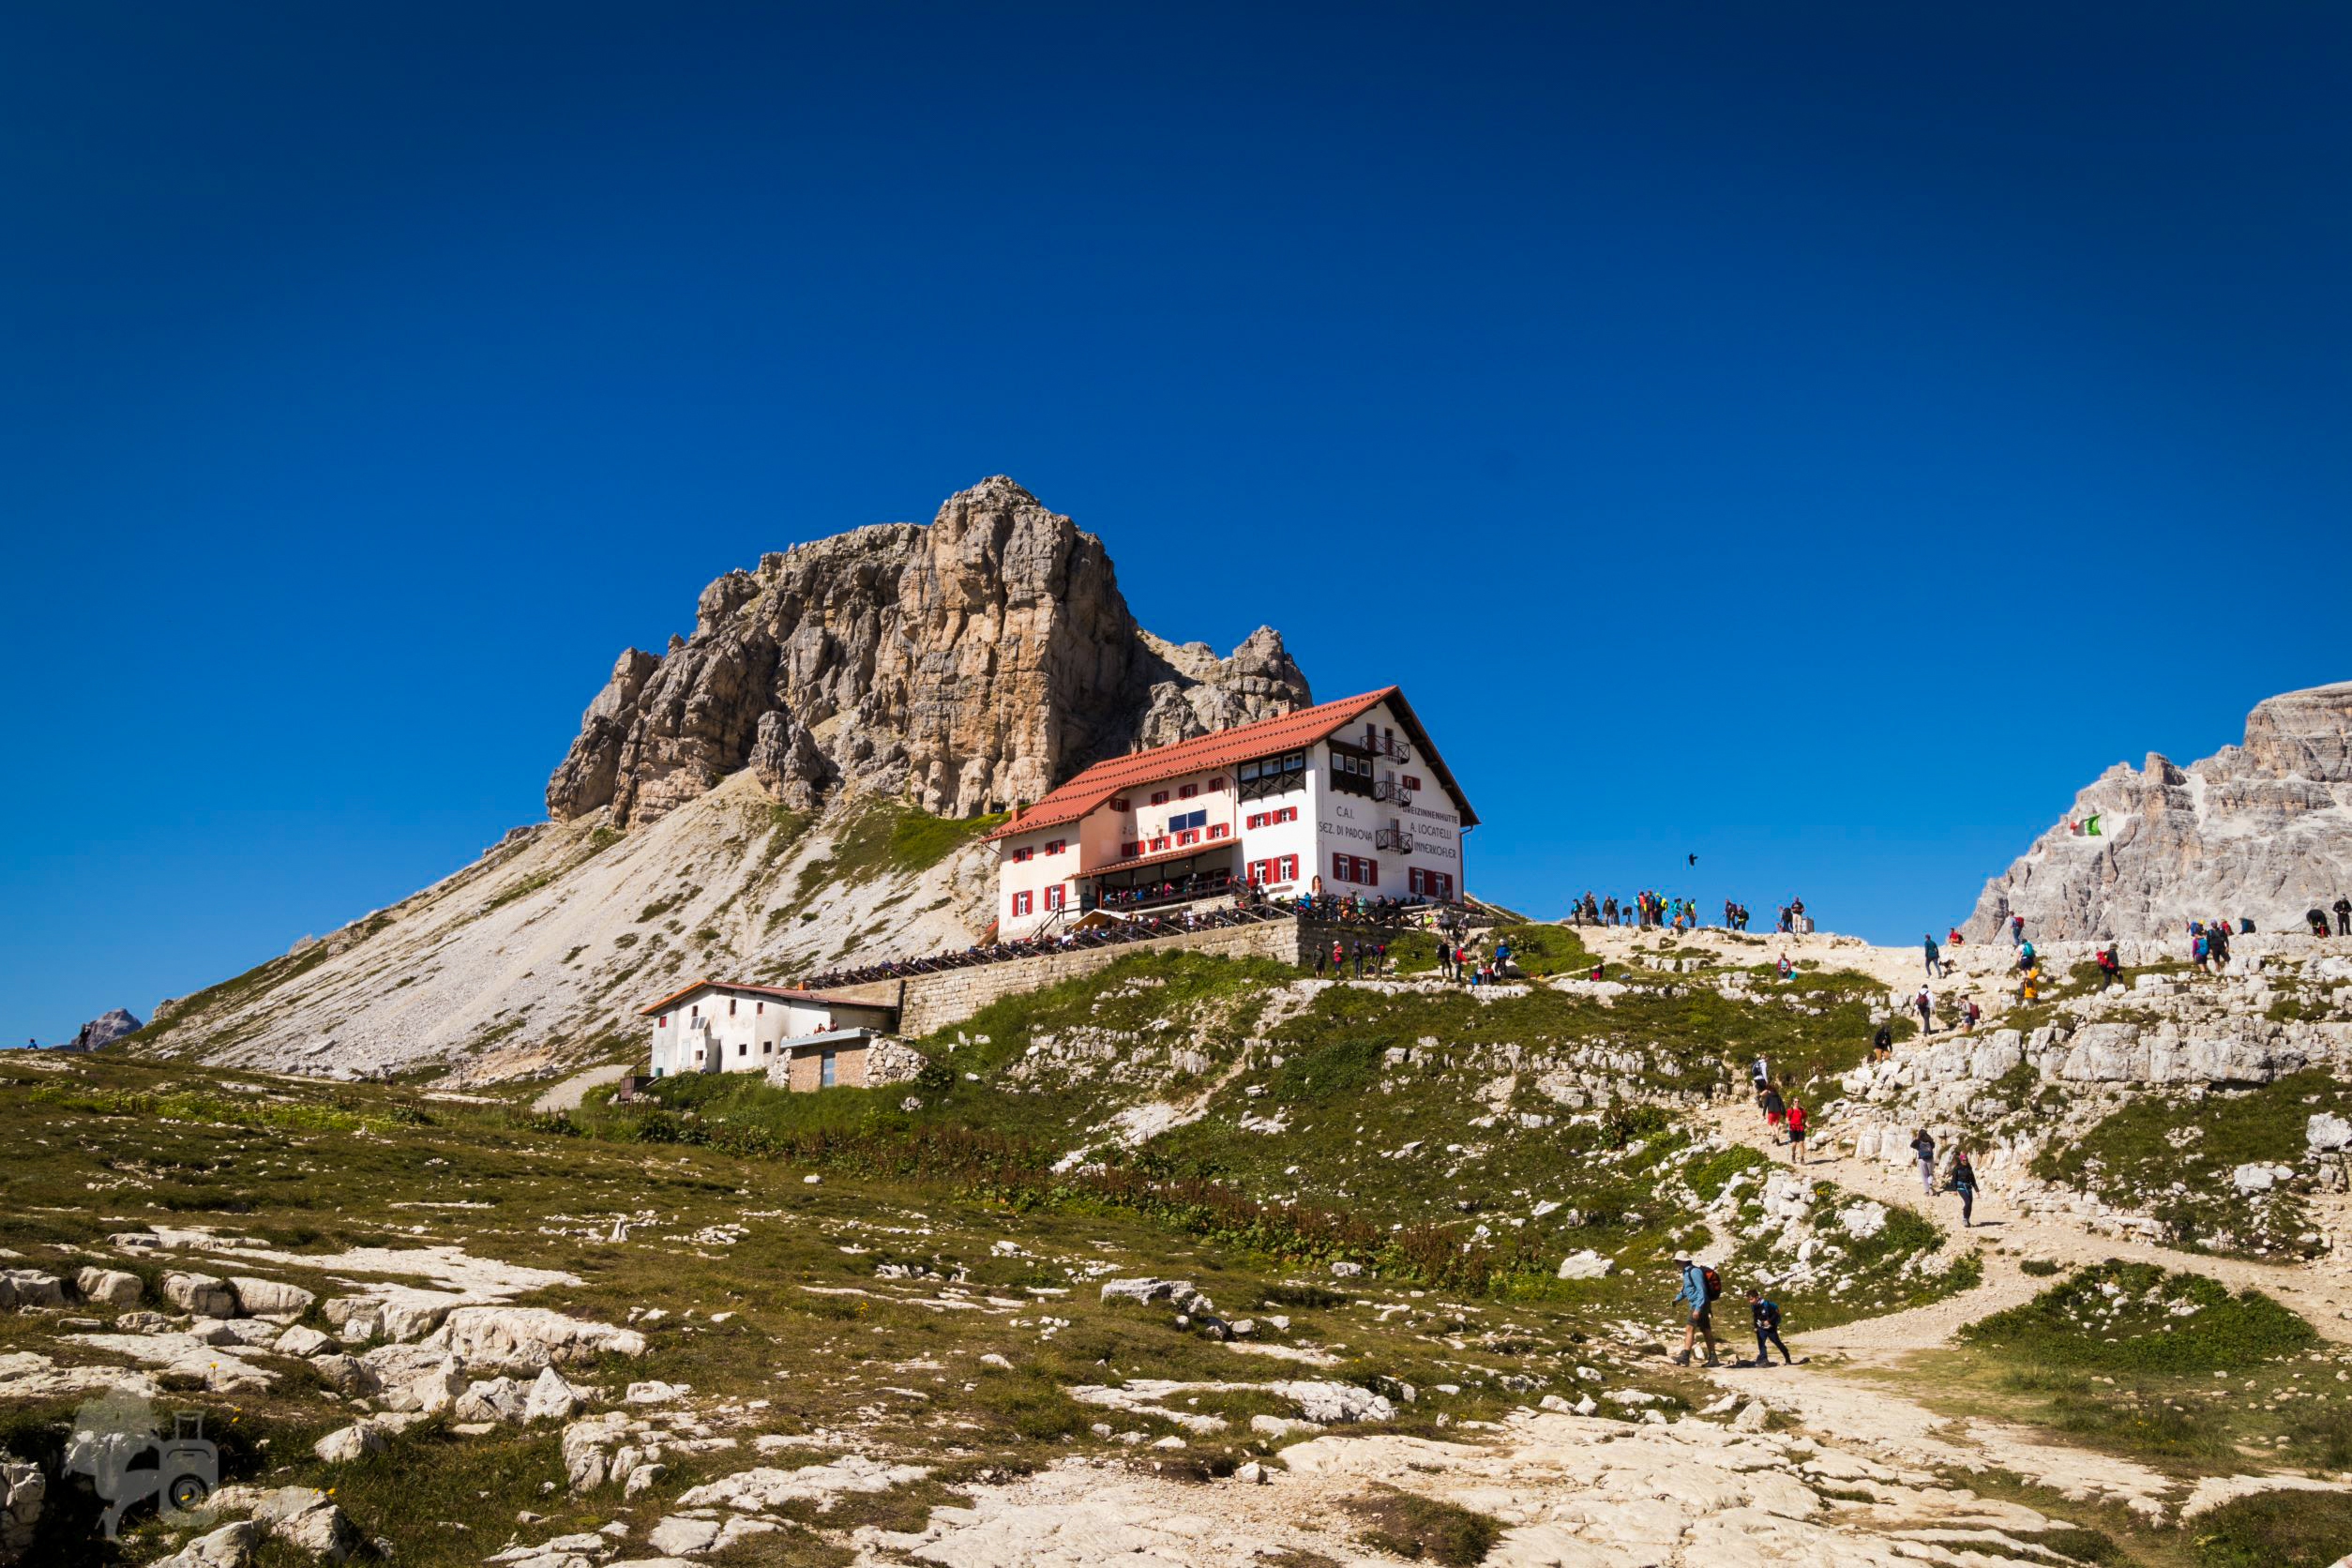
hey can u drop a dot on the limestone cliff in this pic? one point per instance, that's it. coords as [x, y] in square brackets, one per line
[2261, 830]
[968, 666]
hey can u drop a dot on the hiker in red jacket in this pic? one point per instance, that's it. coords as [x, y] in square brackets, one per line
[1797, 1120]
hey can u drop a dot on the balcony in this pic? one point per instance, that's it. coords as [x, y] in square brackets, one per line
[1395, 750]
[1394, 840]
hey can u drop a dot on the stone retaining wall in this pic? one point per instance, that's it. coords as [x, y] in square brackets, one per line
[927, 1003]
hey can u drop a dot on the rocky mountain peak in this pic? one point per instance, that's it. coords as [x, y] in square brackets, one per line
[969, 664]
[104, 1030]
[2259, 831]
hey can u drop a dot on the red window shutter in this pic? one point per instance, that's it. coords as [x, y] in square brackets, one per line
[662, 1022]
[1371, 870]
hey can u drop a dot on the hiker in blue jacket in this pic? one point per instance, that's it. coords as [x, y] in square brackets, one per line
[1695, 1295]
[1766, 1316]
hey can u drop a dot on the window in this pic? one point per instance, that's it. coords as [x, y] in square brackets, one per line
[1183, 820]
[1215, 784]
[758, 1009]
[1355, 869]
[743, 1047]
[1023, 902]
[1294, 762]
[1412, 783]
[1246, 772]
[1127, 851]
[1190, 836]
[1187, 792]
[768, 1047]
[731, 1006]
[662, 1022]
[826, 1069]
[1278, 868]
[1219, 831]
[1055, 846]
[1053, 896]
[1160, 843]
[1118, 802]
[1021, 855]
[1159, 797]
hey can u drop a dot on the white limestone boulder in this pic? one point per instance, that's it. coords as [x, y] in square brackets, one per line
[109, 1287]
[202, 1294]
[349, 1445]
[514, 1339]
[271, 1299]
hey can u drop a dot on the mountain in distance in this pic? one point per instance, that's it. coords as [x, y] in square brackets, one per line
[2259, 831]
[802, 780]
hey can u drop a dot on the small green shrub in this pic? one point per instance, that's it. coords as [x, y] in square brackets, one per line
[2274, 1529]
[1422, 1528]
[2118, 1317]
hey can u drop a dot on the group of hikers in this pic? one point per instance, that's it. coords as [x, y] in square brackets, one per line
[1649, 911]
[1700, 1286]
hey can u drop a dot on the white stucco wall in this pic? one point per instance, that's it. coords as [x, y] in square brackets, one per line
[700, 1033]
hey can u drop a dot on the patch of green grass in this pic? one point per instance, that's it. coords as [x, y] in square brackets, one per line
[889, 837]
[2274, 1529]
[1423, 1530]
[2039, 1268]
[1708, 1175]
[2136, 1318]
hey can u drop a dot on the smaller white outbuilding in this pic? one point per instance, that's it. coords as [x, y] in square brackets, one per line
[717, 1026]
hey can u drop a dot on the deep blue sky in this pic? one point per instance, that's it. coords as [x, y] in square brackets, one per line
[1821, 437]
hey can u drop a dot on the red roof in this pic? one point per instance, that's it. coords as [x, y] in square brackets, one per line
[1240, 744]
[828, 997]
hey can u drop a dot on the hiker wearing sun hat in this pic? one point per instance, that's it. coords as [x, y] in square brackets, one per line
[1700, 1286]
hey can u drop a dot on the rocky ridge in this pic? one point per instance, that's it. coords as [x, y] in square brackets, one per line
[2259, 831]
[970, 666]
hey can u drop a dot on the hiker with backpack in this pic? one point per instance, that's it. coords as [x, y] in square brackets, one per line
[1883, 1043]
[1934, 956]
[1767, 1100]
[1924, 1147]
[1796, 1131]
[1765, 1315]
[1701, 1284]
[1964, 1183]
[2016, 930]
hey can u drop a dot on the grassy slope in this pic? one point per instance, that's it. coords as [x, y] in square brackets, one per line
[119, 1143]
[2157, 1141]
